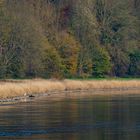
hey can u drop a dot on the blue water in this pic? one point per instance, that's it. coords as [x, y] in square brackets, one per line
[72, 118]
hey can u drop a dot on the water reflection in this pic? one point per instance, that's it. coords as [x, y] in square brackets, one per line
[77, 118]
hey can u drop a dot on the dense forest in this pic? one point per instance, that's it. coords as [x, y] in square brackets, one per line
[69, 38]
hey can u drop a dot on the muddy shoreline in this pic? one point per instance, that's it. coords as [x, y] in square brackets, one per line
[82, 92]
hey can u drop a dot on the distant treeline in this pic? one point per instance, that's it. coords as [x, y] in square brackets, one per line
[69, 38]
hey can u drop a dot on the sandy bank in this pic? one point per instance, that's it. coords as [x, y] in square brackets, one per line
[17, 90]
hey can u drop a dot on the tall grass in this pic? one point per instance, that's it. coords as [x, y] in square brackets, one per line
[9, 89]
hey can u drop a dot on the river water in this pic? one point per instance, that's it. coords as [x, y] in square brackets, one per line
[72, 118]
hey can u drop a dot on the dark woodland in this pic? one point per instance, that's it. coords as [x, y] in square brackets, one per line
[69, 38]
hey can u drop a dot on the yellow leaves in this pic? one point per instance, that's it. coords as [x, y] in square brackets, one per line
[72, 46]
[69, 49]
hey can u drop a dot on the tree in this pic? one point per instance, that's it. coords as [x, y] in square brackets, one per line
[53, 67]
[48, 38]
[68, 49]
[101, 63]
[118, 28]
[134, 67]
[22, 42]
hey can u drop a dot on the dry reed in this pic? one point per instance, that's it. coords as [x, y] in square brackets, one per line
[13, 88]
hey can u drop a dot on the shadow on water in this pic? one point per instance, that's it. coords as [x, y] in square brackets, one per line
[72, 118]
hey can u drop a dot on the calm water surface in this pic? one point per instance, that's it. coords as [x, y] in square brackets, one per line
[72, 118]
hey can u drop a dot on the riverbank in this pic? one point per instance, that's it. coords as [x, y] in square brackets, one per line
[15, 90]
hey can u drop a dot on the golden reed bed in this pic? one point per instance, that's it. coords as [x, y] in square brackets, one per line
[9, 89]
